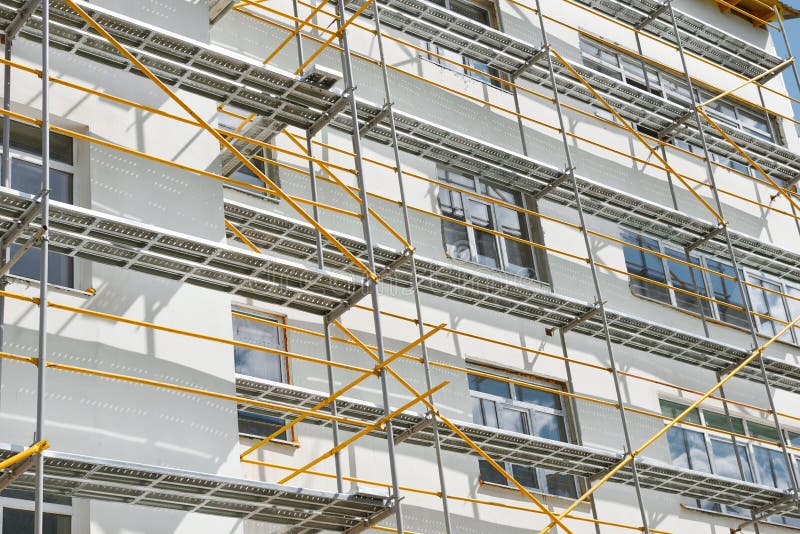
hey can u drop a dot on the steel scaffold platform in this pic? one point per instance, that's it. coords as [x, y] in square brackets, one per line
[304, 102]
[514, 57]
[130, 244]
[698, 37]
[502, 445]
[300, 510]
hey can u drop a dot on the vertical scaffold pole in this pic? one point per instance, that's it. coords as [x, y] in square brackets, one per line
[576, 421]
[5, 180]
[43, 278]
[374, 294]
[312, 176]
[731, 253]
[570, 170]
[413, 265]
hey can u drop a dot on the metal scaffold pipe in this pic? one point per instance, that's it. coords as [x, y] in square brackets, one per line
[373, 284]
[570, 170]
[389, 103]
[696, 112]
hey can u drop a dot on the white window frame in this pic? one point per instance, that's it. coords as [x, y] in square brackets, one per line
[29, 506]
[710, 434]
[749, 275]
[529, 410]
[499, 242]
[27, 157]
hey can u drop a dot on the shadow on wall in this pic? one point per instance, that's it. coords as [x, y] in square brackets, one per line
[104, 417]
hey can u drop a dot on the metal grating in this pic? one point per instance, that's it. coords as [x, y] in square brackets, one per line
[140, 247]
[298, 510]
[502, 445]
[699, 37]
[510, 294]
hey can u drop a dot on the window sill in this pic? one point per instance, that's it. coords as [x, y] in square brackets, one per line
[497, 273]
[566, 501]
[736, 517]
[281, 442]
[31, 283]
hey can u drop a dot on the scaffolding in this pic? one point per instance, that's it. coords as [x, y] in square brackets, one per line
[298, 263]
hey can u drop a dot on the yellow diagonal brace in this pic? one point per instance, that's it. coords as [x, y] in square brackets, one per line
[744, 154]
[238, 233]
[629, 458]
[474, 446]
[222, 139]
[638, 136]
[350, 192]
[330, 39]
[746, 83]
[343, 390]
[361, 433]
[36, 448]
[295, 31]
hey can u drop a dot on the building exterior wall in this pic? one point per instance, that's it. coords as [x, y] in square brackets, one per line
[109, 419]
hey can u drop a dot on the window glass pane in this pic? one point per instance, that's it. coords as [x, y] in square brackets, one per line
[28, 138]
[261, 426]
[489, 411]
[562, 485]
[21, 522]
[514, 421]
[645, 265]
[794, 308]
[258, 363]
[679, 456]
[549, 426]
[490, 474]
[485, 243]
[770, 467]
[725, 461]
[726, 290]
[760, 431]
[489, 385]
[537, 397]
[698, 455]
[684, 277]
[477, 412]
[720, 422]
[673, 409]
[525, 476]
[768, 302]
[26, 177]
[519, 257]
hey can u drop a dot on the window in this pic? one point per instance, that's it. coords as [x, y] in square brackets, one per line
[230, 123]
[772, 310]
[248, 328]
[642, 75]
[26, 176]
[469, 243]
[482, 12]
[524, 410]
[17, 515]
[21, 522]
[713, 452]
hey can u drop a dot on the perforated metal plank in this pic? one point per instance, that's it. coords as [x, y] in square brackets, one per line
[416, 136]
[503, 445]
[698, 37]
[507, 54]
[300, 510]
[132, 245]
[183, 63]
[509, 294]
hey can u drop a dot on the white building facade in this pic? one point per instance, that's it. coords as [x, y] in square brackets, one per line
[551, 272]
